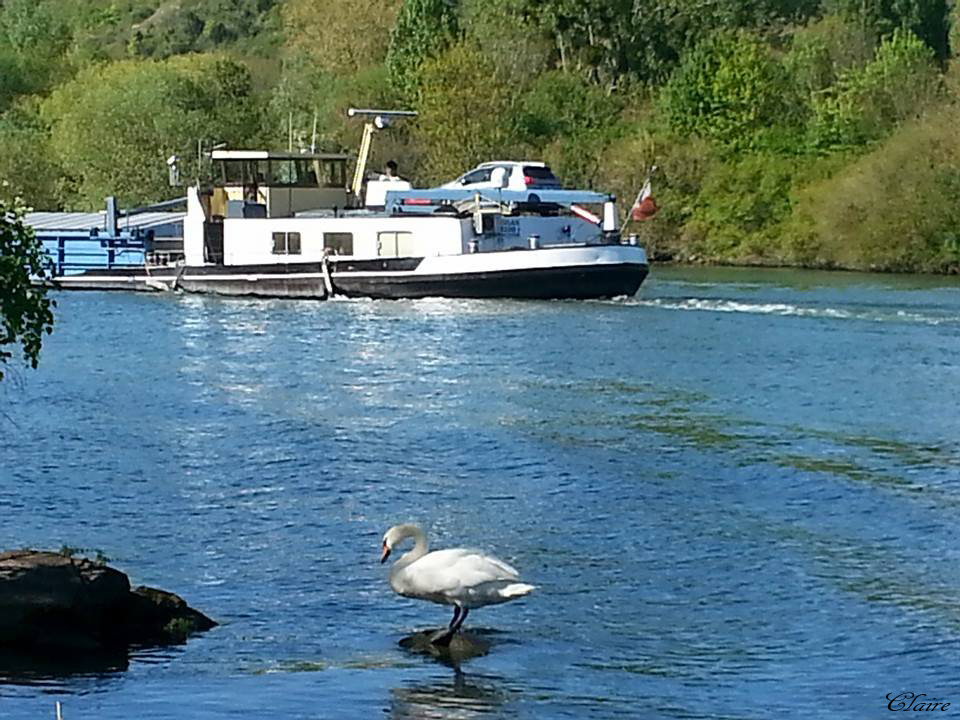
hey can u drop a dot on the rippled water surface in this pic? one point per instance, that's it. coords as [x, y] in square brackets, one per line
[737, 492]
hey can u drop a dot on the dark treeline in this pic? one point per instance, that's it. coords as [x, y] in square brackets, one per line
[820, 133]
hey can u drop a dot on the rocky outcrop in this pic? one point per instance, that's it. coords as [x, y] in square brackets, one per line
[54, 604]
[462, 646]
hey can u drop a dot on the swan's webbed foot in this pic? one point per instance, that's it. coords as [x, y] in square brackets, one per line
[442, 638]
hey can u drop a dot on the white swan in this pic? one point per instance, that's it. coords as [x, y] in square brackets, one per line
[466, 579]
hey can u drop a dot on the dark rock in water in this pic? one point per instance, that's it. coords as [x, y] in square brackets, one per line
[52, 604]
[462, 646]
[160, 618]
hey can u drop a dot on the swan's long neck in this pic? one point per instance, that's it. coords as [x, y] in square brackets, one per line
[419, 545]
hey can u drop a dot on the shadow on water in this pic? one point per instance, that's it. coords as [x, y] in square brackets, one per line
[461, 698]
[19, 668]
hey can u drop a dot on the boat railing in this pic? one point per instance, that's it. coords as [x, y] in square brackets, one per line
[76, 251]
[400, 202]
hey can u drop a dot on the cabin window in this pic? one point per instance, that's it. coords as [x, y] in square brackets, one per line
[293, 243]
[338, 243]
[334, 173]
[294, 173]
[286, 243]
[244, 172]
[395, 244]
[284, 172]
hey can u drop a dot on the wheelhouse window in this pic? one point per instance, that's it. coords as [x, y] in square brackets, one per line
[294, 173]
[284, 172]
[245, 172]
[338, 243]
[286, 243]
[333, 173]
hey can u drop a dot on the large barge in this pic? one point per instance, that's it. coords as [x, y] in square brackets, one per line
[287, 225]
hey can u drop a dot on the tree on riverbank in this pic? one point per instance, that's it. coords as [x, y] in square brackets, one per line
[25, 309]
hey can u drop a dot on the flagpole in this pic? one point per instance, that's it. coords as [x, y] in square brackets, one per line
[646, 184]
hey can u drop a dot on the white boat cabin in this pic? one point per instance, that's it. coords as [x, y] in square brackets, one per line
[268, 208]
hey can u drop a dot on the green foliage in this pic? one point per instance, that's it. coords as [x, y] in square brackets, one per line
[25, 309]
[113, 126]
[341, 36]
[508, 38]
[457, 99]
[13, 81]
[953, 37]
[728, 88]
[892, 209]
[302, 97]
[26, 159]
[927, 19]
[741, 206]
[334, 59]
[823, 50]
[32, 26]
[572, 120]
[558, 103]
[610, 42]
[197, 25]
[32, 40]
[424, 28]
[867, 103]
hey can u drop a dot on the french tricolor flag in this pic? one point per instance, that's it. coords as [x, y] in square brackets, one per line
[644, 207]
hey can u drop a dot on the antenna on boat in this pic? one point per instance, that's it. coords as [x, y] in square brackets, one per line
[375, 120]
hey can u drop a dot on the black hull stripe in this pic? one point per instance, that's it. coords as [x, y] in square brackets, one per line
[578, 282]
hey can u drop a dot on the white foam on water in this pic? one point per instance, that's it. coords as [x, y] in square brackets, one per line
[790, 309]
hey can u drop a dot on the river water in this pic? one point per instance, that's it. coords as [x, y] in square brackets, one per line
[737, 492]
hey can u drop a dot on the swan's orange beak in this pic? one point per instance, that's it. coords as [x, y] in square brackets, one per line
[385, 554]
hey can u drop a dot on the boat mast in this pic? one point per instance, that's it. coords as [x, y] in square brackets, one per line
[377, 120]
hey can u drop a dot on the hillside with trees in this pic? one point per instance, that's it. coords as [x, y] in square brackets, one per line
[816, 133]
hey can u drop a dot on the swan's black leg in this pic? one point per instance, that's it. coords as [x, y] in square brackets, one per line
[463, 616]
[443, 637]
[456, 616]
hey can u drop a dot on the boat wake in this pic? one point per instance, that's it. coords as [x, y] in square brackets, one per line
[867, 314]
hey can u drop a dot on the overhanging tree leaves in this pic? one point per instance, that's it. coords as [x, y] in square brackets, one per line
[25, 309]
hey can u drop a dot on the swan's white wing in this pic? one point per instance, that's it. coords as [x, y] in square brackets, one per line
[451, 572]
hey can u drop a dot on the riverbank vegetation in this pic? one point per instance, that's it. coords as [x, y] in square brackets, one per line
[818, 133]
